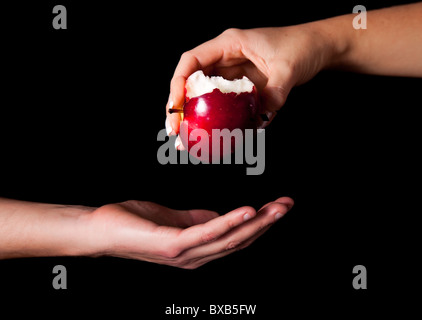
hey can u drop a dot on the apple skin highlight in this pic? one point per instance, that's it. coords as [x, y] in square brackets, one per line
[218, 110]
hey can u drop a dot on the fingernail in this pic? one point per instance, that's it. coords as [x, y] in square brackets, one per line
[170, 101]
[169, 130]
[246, 217]
[278, 215]
[266, 117]
[177, 142]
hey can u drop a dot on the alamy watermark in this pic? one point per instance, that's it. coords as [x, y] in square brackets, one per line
[60, 20]
[60, 281]
[248, 147]
[360, 280]
[359, 21]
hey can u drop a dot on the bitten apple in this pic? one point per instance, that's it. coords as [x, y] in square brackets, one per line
[217, 103]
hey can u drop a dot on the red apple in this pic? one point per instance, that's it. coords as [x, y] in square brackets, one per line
[217, 103]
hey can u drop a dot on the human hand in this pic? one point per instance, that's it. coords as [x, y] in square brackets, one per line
[275, 59]
[182, 238]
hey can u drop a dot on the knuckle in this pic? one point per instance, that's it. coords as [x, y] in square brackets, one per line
[173, 81]
[109, 207]
[262, 226]
[189, 266]
[232, 245]
[179, 263]
[186, 55]
[208, 237]
[231, 224]
[189, 56]
[171, 252]
[232, 32]
[289, 68]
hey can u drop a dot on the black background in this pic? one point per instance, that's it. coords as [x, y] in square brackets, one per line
[80, 112]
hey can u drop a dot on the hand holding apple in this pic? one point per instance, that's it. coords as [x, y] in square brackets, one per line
[274, 59]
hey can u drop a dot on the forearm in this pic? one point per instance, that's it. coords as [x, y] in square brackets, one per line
[391, 44]
[30, 229]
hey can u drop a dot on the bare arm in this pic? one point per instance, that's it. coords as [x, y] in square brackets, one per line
[391, 44]
[132, 229]
[29, 229]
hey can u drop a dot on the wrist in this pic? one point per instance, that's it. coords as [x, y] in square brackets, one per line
[66, 231]
[337, 35]
[75, 236]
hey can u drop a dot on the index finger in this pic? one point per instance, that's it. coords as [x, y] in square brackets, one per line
[196, 59]
[220, 50]
[213, 229]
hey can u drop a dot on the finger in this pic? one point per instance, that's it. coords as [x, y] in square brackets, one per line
[172, 119]
[287, 201]
[196, 59]
[275, 93]
[264, 123]
[210, 231]
[218, 50]
[200, 58]
[178, 145]
[195, 263]
[248, 69]
[169, 128]
[192, 260]
[244, 233]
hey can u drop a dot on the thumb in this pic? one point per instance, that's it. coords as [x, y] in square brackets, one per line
[274, 94]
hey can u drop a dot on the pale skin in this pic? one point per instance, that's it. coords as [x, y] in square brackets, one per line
[276, 60]
[133, 229]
